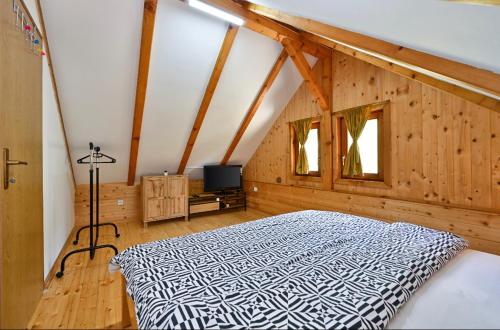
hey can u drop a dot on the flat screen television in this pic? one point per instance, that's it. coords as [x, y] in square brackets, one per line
[222, 177]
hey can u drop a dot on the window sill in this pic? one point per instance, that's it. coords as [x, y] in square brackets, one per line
[363, 183]
[306, 178]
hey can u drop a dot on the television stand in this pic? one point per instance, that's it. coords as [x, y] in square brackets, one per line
[217, 202]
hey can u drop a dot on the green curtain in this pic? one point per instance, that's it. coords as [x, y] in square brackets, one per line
[302, 128]
[355, 121]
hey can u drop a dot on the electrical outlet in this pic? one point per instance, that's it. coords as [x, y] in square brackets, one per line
[120, 202]
[255, 189]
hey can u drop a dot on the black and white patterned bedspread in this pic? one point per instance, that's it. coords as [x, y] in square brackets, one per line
[308, 269]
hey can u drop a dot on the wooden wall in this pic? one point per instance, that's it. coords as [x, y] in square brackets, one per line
[445, 154]
[444, 149]
[109, 209]
[482, 229]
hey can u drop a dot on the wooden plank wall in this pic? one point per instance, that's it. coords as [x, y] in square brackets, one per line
[108, 208]
[445, 154]
[109, 194]
[482, 229]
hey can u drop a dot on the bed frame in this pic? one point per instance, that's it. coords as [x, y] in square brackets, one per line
[128, 320]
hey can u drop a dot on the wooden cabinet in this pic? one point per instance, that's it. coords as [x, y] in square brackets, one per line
[164, 197]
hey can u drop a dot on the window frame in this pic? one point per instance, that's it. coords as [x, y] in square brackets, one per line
[379, 116]
[316, 124]
[383, 181]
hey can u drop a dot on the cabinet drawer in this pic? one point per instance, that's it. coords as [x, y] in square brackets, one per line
[214, 206]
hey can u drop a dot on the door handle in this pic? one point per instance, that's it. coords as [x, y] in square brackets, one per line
[6, 163]
[16, 162]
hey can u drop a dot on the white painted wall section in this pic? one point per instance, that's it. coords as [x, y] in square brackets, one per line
[95, 48]
[58, 189]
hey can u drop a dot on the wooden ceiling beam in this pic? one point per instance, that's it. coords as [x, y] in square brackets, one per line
[269, 27]
[306, 72]
[481, 78]
[209, 93]
[478, 2]
[148, 25]
[464, 93]
[266, 86]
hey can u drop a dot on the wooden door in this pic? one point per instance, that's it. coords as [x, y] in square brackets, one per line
[154, 198]
[21, 209]
[176, 196]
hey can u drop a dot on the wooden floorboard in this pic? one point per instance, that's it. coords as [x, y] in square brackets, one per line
[88, 296]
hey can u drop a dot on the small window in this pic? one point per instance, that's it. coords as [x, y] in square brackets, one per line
[312, 150]
[370, 145]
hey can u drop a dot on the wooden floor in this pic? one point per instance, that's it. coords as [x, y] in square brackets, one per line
[88, 296]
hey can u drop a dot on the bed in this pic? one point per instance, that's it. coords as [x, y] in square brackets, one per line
[463, 295]
[309, 269]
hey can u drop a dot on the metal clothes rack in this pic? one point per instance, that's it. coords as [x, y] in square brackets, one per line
[94, 158]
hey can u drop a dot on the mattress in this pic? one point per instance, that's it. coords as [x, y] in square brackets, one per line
[309, 269]
[465, 294]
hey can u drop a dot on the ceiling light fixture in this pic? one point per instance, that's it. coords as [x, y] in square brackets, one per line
[215, 12]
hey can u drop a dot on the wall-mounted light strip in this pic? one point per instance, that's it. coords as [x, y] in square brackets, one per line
[215, 12]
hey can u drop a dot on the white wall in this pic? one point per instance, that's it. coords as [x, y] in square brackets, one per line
[95, 51]
[58, 189]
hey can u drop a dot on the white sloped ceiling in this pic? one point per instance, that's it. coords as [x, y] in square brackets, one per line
[178, 79]
[95, 52]
[457, 31]
[95, 48]
[250, 60]
[282, 90]
[185, 48]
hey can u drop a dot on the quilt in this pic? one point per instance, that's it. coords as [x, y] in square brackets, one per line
[308, 269]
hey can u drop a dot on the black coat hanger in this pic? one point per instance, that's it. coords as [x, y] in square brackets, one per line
[99, 157]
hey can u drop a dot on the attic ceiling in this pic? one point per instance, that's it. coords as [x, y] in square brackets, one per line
[456, 31]
[95, 48]
[95, 51]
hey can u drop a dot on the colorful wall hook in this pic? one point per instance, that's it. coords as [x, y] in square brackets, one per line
[24, 24]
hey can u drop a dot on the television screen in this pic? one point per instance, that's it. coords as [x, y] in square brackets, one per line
[219, 177]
